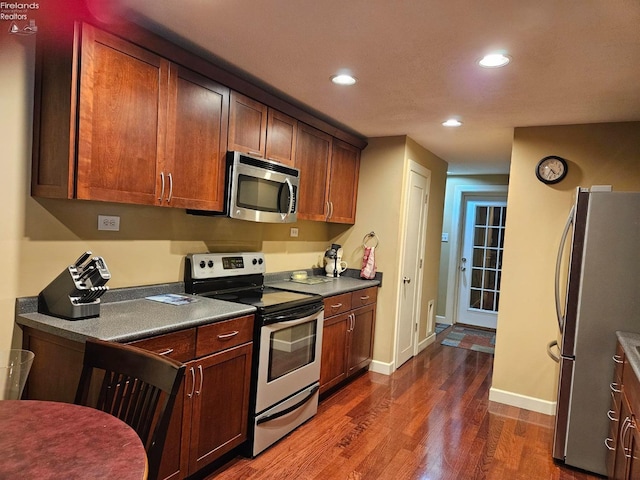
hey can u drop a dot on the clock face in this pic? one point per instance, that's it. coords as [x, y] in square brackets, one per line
[551, 169]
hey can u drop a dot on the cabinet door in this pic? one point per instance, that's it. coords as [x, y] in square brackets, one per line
[361, 339]
[122, 112]
[343, 185]
[170, 465]
[193, 173]
[220, 404]
[247, 125]
[282, 131]
[313, 157]
[333, 364]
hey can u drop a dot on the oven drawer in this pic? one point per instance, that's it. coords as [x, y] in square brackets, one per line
[337, 304]
[222, 335]
[364, 297]
[180, 345]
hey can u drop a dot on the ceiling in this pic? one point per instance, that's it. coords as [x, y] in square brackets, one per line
[573, 61]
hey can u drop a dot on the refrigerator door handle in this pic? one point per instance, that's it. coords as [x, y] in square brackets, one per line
[563, 241]
[554, 357]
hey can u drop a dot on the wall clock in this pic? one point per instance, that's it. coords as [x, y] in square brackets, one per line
[551, 169]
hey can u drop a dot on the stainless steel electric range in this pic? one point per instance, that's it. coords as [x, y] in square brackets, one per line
[287, 341]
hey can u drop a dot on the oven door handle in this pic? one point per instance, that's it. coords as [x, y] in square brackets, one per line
[290, 409]
[288, 319]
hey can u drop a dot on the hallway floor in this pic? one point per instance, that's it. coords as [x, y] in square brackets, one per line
[431, 420]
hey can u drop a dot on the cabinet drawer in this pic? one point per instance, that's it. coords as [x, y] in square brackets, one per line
[222, 335]
[337, 304]
[364, 297]
[179, 345]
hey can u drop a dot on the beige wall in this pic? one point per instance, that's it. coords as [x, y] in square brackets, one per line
[597, 154]
[449, 216]
[380, 195]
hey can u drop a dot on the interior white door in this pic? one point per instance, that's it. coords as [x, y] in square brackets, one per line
[410, 288]
[480, 264]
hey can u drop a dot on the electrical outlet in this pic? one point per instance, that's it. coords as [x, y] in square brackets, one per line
[294, 232]
[109, 222]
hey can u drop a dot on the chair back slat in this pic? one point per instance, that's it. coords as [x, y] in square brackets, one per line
[138, 387]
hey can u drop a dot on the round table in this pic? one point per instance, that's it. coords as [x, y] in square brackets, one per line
[54, 440]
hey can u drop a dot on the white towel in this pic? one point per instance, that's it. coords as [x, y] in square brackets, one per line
[368, 263]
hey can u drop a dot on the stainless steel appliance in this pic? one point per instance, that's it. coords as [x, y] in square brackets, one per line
[75, 293]
[287, 341]
[601, 297]
[261, 190]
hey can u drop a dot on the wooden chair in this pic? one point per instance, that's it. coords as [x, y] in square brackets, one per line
[138, 387]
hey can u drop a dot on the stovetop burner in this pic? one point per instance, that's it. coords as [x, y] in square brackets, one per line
[239, 277]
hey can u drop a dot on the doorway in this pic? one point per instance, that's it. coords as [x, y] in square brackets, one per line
[417, 184]
[480, 261]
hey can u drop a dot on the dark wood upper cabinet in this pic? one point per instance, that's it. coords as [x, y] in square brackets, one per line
[122, 119]
[149, 131]
[260, 131]
[194, 165]
[126, 116]
[282, 132]
[343, 182]
[247, 125]
[313, 157]
[328, 177]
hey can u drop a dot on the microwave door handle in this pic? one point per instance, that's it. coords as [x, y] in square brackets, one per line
[290, 209]
[563, 241]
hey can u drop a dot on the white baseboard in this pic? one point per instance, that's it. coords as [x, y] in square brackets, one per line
[441, 319]
[382, 367]
[426, 342]
[522, 401]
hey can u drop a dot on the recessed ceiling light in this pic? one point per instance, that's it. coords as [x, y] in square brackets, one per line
[452, 122]
[343, 79]
[494, 60]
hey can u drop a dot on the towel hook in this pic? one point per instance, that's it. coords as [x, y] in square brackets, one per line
[369, 236]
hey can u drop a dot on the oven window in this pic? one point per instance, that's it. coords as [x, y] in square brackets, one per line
[262, 195]
[291, 348]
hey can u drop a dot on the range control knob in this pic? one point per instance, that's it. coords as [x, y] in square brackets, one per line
[202, 264]
[254, 261]
[260, 261]
[210, 263]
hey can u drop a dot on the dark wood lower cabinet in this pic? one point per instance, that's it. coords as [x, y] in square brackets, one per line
[210, 415]
[347, 336]
[623, 443]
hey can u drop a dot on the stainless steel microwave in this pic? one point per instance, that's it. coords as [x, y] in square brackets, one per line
[261, 190]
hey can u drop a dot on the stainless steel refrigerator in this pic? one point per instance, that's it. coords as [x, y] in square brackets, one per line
[602, 295]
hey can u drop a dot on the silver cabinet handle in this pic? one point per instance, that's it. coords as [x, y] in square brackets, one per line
[291, 199]
[336, 306]
[226, 336]
[201, 379]
[364, 298]
[617, 358]
[610, 416]
[193, 382]
[330, 209]
[168, 351]
[614, 387]
[162, 190]
[606, 443]
[170, 188]
[353, 322]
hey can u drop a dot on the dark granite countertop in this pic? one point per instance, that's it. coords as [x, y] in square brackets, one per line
[631, 343]
[124, 319]
[126, 315]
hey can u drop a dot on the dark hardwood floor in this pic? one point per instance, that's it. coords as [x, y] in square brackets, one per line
[431, 420]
